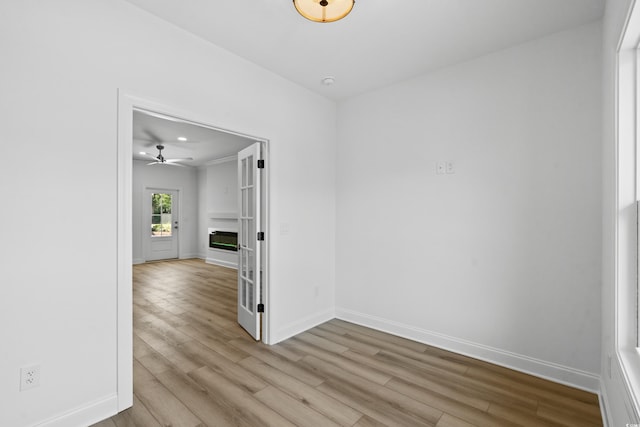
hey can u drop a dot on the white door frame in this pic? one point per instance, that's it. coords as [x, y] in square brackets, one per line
[127, 102]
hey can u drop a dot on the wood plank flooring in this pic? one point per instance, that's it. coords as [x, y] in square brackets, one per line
[194, 366]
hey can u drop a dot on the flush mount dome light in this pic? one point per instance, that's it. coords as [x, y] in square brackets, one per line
[324, 10]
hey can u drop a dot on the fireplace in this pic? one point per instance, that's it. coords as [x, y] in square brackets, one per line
[227, 240]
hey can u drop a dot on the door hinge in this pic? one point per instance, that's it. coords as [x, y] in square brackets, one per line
[260, 308]
[261, 164]
[260, 235]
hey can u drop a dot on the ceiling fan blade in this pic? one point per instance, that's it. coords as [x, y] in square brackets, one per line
[174, 164]
[154, 163]
[150, 157]
[155, 138]
[147, 142]
[178, 160]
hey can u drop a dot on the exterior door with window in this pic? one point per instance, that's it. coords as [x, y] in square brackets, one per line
[162, 220]
[249, 251]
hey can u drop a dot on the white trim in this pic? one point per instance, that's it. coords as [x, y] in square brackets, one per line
[222, 263]
[124, 256]
[604, 405]
[137, 261]
[540, 368]
[189, 256]
[127, 102]
[303, 325]
[625, 337]
[222, 160]
[85, 415]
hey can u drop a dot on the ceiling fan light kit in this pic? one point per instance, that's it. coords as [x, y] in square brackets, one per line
[324, 10]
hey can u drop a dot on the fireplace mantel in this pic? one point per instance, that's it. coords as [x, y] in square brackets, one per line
[223, 215]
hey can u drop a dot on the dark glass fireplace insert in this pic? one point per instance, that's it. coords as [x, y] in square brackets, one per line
[227, 240]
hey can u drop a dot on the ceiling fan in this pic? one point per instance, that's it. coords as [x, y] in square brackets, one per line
[161, 160]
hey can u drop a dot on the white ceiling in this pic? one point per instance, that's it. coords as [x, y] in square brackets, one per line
[203, 144]
[379, 43]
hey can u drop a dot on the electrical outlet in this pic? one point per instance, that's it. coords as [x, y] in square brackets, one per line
[451, 168]
[441, 168]
[29, 377]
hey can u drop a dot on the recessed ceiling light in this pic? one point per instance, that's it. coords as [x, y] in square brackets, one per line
[182, 138]
[328, 81]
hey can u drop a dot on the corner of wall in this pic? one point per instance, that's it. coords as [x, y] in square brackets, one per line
[302, 325]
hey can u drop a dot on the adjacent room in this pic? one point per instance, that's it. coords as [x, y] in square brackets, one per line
[319, 213]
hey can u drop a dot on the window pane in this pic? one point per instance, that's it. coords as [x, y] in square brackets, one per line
[250, 171]
[243, 194]
[244, 173]
[244, 293]
[156, 203]
[156, 229]
[166, 218]
[250, 198]
[166, 203]
[161, 220]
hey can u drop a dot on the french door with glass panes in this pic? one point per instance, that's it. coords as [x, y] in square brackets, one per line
[250, 239]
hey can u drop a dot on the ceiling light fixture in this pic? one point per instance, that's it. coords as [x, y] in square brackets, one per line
[328, 81]
[324, 10]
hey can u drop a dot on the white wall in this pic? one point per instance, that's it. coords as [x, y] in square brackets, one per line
[63, 63]
[219, 201]
[222, 187]
[171, 178]
[618, 403]
[500, 260]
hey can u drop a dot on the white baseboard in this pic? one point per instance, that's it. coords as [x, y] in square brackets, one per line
[222, 263]
[604, 405]
[187, 256]
[548, 370]
[85, 415]
[302, 325]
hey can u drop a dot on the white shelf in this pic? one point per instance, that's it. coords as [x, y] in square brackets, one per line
[223, 215]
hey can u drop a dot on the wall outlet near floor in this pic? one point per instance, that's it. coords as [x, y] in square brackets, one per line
[441, 168]
[29, 377]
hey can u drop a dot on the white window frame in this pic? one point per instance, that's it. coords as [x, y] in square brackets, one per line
[627, 286]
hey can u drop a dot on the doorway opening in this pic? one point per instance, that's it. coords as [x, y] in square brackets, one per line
[175, 213]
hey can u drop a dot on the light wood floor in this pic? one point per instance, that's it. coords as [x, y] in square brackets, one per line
[194, 366]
